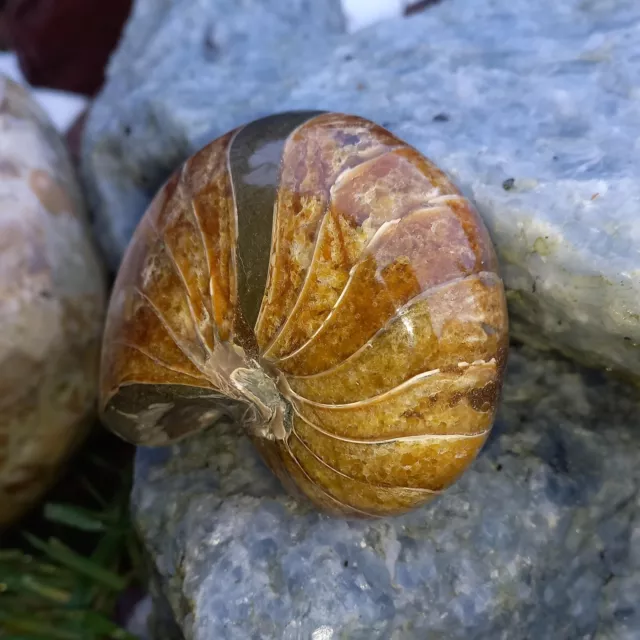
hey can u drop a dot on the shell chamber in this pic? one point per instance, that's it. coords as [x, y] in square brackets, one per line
[321, 281]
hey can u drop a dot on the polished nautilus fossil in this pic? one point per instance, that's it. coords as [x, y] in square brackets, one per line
[321, 281]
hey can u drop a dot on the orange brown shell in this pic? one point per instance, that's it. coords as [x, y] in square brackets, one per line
[322, 281]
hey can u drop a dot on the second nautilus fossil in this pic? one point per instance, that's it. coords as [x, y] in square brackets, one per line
[318, 279]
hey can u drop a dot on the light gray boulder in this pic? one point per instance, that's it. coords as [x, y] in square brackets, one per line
[539, 539]
[531, 107]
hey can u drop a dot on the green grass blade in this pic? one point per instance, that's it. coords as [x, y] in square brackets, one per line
[12, 555]
[93, 492]
[98, 625]
[106, 554]
[59, 552]
[75, 517]
[41, 629]
[29, 637]
[47, 592]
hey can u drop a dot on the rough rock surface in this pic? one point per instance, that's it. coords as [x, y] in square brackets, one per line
[52, 302]
[540, 539]
[530, 106]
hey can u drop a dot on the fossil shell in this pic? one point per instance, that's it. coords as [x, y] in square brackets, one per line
[317, 277]
[52, 305]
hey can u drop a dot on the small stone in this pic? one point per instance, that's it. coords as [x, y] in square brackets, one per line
[52, 303]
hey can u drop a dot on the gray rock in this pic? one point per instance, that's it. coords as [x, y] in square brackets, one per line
[530, 106]
[226, 60]
[539, 539]
[532, 109]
